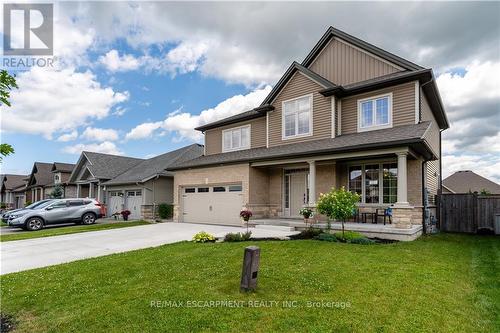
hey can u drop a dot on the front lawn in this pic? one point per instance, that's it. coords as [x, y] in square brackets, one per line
[73, 229]
[443, 283]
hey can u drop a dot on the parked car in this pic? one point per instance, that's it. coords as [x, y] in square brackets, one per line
[80, 211]
[5, 216]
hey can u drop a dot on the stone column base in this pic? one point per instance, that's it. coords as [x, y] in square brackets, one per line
[402, 217]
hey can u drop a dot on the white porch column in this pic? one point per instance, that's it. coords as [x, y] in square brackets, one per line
[77, 190]
[42, 193]
[98, 192]
[91, 190]
[312, 183]
[402, 180]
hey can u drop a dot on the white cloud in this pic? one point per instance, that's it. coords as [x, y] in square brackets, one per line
[50, 101]
[116, 63]
[68, 136]
[105, 147]
[100, 134]
[186, 57]
[184, 123]
[143, 130]
[481, 81]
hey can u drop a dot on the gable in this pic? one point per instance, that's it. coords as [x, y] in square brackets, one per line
[343, 63]
[300, 85]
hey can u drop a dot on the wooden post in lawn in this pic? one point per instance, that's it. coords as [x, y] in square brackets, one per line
[251, 260]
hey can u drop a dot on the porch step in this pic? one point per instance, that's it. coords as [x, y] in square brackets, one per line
[274, 227]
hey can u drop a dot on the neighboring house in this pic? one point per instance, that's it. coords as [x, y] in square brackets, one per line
[93, 169]
[12, 190]
[60, 176]
[40, 178]
[141, 188]
[467, 181]
[351, 114]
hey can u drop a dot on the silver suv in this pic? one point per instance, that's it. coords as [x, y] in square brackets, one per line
[85, 211]
[6, 215]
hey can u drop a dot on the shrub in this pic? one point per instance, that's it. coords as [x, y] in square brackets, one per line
[327, 237]
[165, 211]
[309, 233]
[349, 235]
[238, 236]
[338, 204]
[362, 241]
[203, 237]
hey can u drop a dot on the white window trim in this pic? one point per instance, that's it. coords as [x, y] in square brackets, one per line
[290, 137]
[249, 126]
[375, 127]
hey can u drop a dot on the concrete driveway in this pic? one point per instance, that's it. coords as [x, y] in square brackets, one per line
[40, 252]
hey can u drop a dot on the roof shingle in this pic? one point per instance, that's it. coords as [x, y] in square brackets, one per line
[157, 165]
[381, 138]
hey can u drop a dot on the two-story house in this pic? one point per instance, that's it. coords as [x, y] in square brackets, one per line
[351, 114]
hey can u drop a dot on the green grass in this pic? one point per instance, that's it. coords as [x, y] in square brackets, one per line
[56, 231]
[443, 283]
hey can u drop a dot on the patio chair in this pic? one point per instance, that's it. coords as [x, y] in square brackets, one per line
[385, 213]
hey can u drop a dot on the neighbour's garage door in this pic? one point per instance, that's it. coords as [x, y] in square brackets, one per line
[133, 203]
[219, 204]
[115, 202]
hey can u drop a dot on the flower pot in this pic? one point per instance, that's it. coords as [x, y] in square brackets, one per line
[125, 218]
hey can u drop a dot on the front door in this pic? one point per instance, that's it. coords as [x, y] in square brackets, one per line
[297, 193]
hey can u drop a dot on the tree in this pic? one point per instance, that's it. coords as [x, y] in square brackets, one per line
[7, 83]
[57, 192]
[338, 204]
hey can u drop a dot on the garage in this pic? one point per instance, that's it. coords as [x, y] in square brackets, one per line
[133, 203]
[213, 204]
[115, 202]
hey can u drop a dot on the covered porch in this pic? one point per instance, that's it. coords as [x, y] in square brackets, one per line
[89, 189]
[383, 178]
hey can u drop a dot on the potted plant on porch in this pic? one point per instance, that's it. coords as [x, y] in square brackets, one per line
[125, 213]
[338, 204]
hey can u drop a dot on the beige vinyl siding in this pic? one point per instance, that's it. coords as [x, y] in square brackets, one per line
[300, 85]
[213, 137]
[403, 107]
[432, 179]
[432, 138]
[432, 135]
[343, 64]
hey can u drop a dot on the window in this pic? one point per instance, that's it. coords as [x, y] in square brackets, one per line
[189, 190]
[390, 182]
[236, 138]
[371, 183]
[375, 113]
[235, 188]
[57, 179]
[219, 189]
[202, 189]
[297, 117]
[131, 194]
[138, 193]
[60, 204]
[376, 183]
[73, 203]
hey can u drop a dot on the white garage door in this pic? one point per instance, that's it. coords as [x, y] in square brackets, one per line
[115, 202]
[212, 204]
[133, 203]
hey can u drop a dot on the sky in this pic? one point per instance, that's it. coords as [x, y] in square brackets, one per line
[135, 78]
